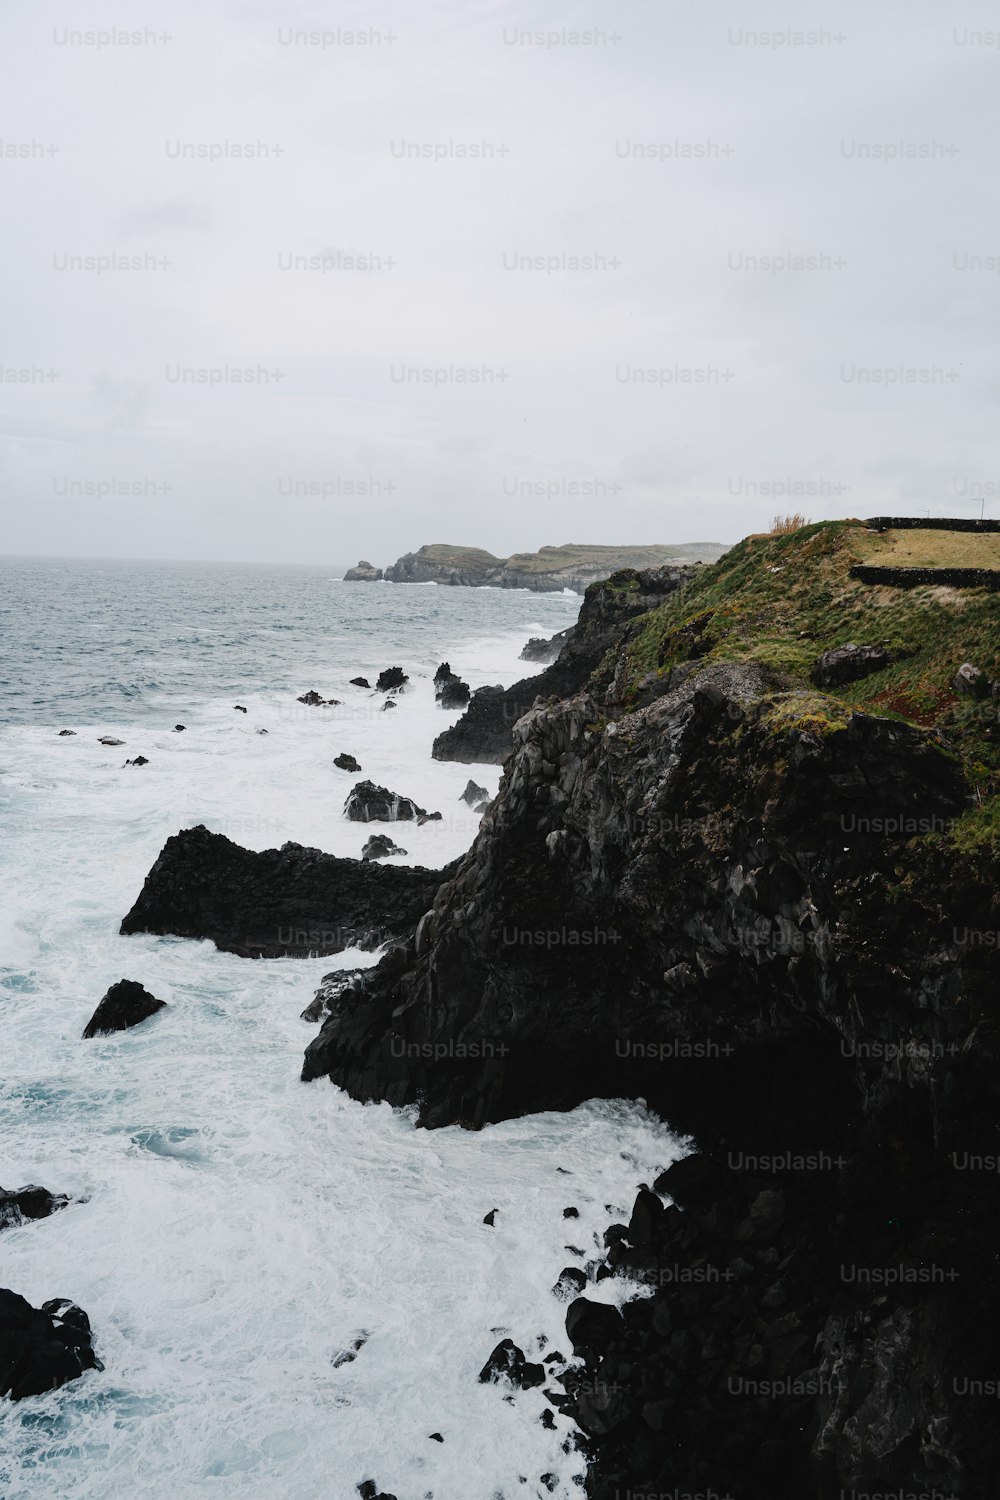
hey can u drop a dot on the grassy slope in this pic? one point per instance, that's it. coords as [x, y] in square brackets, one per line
[575, 555]
[781, 600]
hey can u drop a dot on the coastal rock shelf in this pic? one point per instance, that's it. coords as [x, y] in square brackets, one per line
[290, 902]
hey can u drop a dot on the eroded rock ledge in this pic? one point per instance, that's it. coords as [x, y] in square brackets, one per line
[290, 902]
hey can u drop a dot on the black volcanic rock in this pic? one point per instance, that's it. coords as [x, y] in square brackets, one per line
[31, 1202]
[335, 990]
[360, 682]
[109, 739]
[473, 793]
[140, 760]
[64, 732]
[546, 649]
[449, 689]
[368, 803]
[507, 1362]
[380, 846]
[313, 700]
[345, 762]
[277, 903]
[42, 1348]
[700, 902]
[126, 1004]
[484, 732]
[392, 680]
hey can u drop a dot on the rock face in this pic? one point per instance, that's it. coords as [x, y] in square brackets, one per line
[335, 990]
[126, 1004]
[720, 902]
[280, 903]
[439, 563]
[380, 846]
[368, 803]
[363, 572]
[449, 689]
[42, 1348]
[550, 569]
[843, 664]
[28, 1203]
[484, 733]
[546, 649]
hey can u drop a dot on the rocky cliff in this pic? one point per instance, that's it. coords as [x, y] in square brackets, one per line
[773, 914]
[484, 732]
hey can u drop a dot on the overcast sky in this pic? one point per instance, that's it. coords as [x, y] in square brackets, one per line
[373, 266]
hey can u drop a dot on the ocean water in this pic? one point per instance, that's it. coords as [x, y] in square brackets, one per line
[234, 1230]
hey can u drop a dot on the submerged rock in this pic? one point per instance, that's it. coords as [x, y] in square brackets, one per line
[126, 1004]
[238, 708]
[368, 803]
[361, 682]
[140, 760]
[42, 1348]
[380, 846]
[64, 732]
[277, 903]
[507, 1363]
[28, 1203]
[179, 728]
[109, 739]
[388, 704]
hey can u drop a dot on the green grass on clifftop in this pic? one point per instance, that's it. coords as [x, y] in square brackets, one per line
[783, 599]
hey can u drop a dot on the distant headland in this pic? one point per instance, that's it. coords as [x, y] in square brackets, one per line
[571, 566]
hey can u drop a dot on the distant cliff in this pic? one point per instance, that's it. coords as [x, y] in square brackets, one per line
[571, 566]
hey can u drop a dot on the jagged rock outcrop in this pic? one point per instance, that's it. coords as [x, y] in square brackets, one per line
[546, 648]
[335, 989]
[718, 902]
[363, 572]
[368, 803]
[312, 699]
[391, 680]
[42, 1348]
[483, 733]
[20, 1205]
[345, 762]
[126, 1004]
[449, 689]
[474, 794]
[290, 902]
